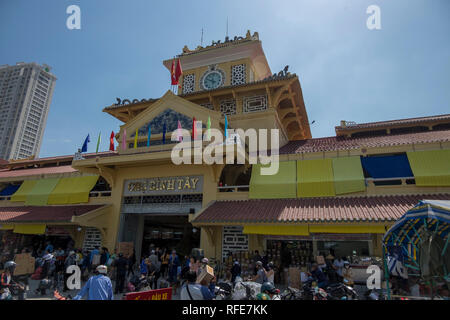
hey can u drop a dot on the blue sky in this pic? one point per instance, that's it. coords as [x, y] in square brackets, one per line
[346, 71]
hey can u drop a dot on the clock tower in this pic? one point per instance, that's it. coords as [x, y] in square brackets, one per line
[236, 61]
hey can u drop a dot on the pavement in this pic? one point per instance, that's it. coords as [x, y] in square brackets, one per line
[31, 293]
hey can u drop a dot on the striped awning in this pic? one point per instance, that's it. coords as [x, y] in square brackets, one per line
[432, 215]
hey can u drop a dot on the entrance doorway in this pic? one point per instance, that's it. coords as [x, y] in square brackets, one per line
[170, 232]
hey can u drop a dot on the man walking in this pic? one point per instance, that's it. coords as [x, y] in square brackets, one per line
[98, 287]
[120, 265]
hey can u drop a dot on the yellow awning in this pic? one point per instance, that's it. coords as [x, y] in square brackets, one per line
[72, 190]
[348, 175]
[277, 230]
[6, 226]
[82, 189]
[315, 178]
[280, 185]
[38, 196]
[24, 189]
[430, 168]
[29, 228]
[346, 229]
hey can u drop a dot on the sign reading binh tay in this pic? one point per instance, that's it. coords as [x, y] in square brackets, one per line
[164, 185]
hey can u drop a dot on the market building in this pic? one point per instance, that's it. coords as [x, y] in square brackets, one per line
[340, 193]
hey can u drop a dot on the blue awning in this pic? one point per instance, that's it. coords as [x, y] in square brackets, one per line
[387, 166]
[9, 190]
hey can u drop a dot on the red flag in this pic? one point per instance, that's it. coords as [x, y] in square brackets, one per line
[194, 134]
[111, 142]
[172, 73]
[178, 71]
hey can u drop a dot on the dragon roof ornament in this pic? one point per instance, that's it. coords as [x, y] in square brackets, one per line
[219, 43]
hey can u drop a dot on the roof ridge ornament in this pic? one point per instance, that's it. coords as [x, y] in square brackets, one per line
[219, 43]
[123, 102]
[282, 74]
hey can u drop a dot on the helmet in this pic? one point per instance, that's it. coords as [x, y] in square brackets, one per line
[10, 265]
[102, 269]
[205, 260]
[262, 296]
[268, 287]
[259, 263]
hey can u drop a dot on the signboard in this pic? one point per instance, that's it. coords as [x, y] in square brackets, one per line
[52, 230]
[159, 294]
[163, 185]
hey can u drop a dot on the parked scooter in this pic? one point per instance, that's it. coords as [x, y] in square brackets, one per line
[340, 291]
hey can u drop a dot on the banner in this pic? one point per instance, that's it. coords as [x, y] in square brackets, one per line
[158, 294]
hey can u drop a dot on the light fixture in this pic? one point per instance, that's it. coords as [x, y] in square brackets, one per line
[194, 230]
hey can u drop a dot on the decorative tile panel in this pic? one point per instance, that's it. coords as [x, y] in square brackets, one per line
[92, 238]
[233, 240]
[238, 75]
[228, 107]
[189, 83]
[255, 104]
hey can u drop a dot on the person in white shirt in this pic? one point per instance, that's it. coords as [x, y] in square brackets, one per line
[270, 272]
[338, 265]
[191, 290]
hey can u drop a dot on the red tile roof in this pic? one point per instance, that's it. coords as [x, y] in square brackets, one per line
[35, 171]
[60, 158]
[43, 214]
[348, 209]
[344, 143]
[407, 121]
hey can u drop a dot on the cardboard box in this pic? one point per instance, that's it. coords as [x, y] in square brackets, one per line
[294, 277]
[207, 274]
[126, 248]
[25, 264]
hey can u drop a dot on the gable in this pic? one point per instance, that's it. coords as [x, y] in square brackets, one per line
[169, 117]
[169, 109]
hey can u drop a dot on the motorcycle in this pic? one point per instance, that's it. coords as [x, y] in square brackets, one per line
[310, 291]
[15, 292]
[340, 291]
[246, 290]
[140, 283]
[373, 294]
[224, 291]
[291, 294]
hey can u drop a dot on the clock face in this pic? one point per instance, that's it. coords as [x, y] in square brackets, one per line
[212, 80]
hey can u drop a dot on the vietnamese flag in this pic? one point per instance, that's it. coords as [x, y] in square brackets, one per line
[172, 73]
[111, 141]
[178, 71]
